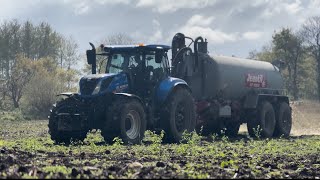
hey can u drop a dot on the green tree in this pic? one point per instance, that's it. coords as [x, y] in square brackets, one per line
[311, 35]
[48, 81]
[20, 75]
[20, 41]
[288, 48]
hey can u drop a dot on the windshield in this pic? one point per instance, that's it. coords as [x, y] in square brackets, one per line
[120, 62]
[126, 61]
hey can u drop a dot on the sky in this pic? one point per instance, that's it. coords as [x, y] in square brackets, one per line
[232, 27]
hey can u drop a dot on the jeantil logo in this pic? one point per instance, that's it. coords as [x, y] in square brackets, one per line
[256, 80]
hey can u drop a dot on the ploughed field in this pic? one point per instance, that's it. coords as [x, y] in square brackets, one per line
[26, 151]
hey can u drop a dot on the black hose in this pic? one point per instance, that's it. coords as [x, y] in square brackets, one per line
[195, 48]
[177, 55]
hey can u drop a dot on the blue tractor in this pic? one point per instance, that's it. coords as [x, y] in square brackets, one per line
[134, 94]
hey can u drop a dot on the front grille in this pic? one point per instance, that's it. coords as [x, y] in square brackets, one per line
[88, 86]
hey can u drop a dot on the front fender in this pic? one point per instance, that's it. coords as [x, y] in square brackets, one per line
[127, 95]
[68, 94]
[166, 86]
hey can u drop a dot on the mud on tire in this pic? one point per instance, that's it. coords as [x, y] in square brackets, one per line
[126, 119]
[263, 121]
[283, 121]
[178, 115]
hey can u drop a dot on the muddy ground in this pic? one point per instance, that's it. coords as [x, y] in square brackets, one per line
[26, 151]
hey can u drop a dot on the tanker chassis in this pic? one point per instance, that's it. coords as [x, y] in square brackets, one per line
[140, 90]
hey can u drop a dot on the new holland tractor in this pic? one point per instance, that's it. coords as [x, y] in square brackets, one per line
[142, 90]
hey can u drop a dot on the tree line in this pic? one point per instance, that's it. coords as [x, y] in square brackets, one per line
[36, 63]
[297, 53]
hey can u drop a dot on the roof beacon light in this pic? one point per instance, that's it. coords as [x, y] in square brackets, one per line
[141, 44]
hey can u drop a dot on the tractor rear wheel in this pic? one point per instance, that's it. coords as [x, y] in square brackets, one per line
[57, 135]
[179, 115]
[263, 124]
[284, 121]
[126, 119]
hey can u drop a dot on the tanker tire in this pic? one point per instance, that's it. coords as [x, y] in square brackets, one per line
[264, 123]
[232, 129]
[284, 121]
[126, 119]
[179, 115]
[60, 137]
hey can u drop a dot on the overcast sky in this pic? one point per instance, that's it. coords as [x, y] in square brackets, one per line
[232, 27]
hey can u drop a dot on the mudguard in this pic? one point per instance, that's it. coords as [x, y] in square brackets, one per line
[251, 100]
[166, 86]
[68, 94]
[129, 96]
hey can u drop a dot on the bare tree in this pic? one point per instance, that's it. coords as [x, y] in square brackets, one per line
[311, 34]
[68, 52]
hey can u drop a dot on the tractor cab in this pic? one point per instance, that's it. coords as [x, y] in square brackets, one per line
[144, 65]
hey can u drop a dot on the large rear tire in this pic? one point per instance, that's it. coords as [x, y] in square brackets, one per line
[126, 119]
[179, 115]
[263, 124]
[284, 121]
[65, 137]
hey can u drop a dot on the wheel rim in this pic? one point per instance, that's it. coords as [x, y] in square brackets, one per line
[132, 124]
[180, 117]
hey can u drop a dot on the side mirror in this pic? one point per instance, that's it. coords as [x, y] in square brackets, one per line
[158, 57]
[91, 56]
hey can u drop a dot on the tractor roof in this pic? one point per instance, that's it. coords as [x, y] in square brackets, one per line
[131, 47]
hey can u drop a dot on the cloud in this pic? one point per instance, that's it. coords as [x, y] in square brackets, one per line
[199, 20]
[252, 35]
[83, 7]
[169, 6]
[276, 8]
[199, 25]
[157, 35]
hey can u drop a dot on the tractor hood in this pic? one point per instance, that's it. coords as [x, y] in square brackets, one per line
[96, 84]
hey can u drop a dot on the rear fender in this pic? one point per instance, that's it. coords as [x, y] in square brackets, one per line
[167, 86]
[252, 100]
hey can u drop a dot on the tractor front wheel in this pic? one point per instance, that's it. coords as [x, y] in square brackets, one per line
[58, 136]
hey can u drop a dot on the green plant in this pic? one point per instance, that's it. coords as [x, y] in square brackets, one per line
[117, 142]
[257, 132]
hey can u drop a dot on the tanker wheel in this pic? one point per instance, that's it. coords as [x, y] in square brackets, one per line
[65, 137]
[126, 119]
[232, 129]
[179, 115]
[284, 121]
[263, 124]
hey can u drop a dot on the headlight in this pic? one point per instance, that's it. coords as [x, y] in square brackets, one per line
[97, 89]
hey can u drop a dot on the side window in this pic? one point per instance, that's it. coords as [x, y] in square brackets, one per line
[151, 61]
[156, 69]
[116, 64]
